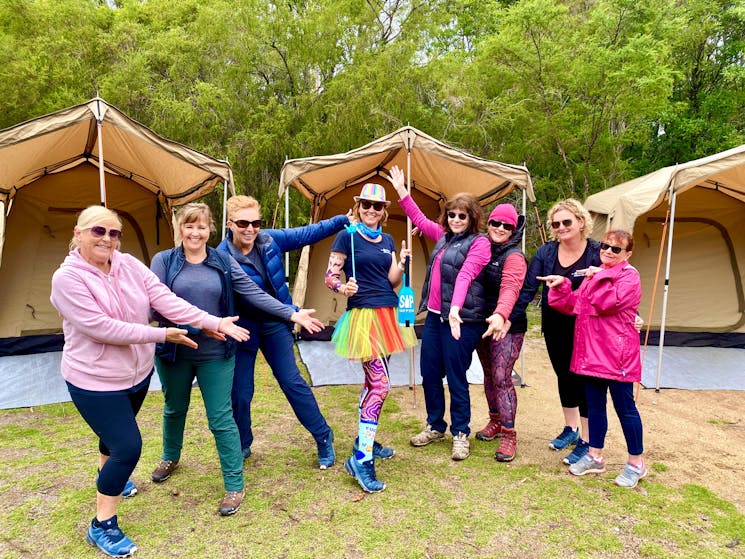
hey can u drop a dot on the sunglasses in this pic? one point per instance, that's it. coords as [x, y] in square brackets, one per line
[564, 222]
[606, 246]
[453, 215]
[507, 226]
[243, 223]
[98, 232]
[377, 206]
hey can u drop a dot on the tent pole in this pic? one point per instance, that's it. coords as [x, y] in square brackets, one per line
[101, 174]
[666, 286]
[287, 226]
[412, 375]
[522, 245]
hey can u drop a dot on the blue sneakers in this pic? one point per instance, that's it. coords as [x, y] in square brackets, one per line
[111, 541]
[579, 451]
[130, 489]
[246, 452]
[326, 454]
[364, 473]
[566, 437]
[379, 452]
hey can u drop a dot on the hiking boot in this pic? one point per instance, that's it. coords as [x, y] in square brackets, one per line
[364, 473]
[492, 430]
[427, 436]
[631, 475]
[566, 437]
[579, 451]
[588, 464]
[461, 447]
[231, 502]
[379, 451]
[326, 454]
[130, 489]
[164, 470]
[111, 541]
[507, 446]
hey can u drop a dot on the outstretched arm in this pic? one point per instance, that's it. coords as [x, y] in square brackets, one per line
[333, 275]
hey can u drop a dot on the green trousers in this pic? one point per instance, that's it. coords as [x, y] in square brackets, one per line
[215, 380]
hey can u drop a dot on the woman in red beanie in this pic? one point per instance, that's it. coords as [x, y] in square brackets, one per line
[500, 347]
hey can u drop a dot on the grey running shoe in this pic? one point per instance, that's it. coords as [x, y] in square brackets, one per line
[587, 465]
[631, 475]
[427, 436]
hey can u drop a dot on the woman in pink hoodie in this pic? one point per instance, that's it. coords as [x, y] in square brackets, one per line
[606, 350]
[104, 297]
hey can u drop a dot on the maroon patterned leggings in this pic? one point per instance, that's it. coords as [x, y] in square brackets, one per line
[497, 360]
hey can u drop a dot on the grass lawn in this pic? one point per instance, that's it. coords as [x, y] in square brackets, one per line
[432, 508]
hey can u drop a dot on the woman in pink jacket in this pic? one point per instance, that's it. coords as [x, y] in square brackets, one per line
[606, 350]
[104, 298]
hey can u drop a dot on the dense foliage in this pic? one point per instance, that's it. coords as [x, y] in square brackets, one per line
[587, 93]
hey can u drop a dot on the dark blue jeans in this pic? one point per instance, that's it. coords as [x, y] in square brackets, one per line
[444, 356]
[112, 417]
[276, 343]
[622, 394]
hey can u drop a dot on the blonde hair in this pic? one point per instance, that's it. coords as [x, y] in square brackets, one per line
[92, 216]
[574, 207]
[193, 212]
[241, 202]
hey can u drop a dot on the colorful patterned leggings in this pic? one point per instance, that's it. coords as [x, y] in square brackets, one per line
[375, 390]
[498, 359]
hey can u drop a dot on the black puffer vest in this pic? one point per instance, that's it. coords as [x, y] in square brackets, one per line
[492, 274]
[455, 249]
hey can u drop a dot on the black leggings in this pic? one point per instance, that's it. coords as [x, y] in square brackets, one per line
[560, 344]
[111, 415]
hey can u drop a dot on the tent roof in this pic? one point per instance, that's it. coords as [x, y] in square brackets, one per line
[437, 170]
[623, 203]
[65, 139]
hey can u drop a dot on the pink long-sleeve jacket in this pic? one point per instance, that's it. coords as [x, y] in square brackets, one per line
[606, 343]
[109, 343]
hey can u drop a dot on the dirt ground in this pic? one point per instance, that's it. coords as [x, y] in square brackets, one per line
[698, 435]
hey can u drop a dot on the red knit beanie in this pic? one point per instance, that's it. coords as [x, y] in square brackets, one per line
[505, 213]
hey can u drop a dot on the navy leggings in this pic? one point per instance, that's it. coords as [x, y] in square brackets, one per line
[111, 415]
[622, 394]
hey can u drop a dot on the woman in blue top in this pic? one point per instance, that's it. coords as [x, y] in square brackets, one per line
[369, 330]
[207, 279]
[260, 253]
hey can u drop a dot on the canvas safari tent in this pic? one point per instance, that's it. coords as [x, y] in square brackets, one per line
[49, 170]
[689, 249]
[434, 171]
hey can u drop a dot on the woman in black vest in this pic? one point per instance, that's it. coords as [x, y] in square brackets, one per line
[456, 311]
[500, 348]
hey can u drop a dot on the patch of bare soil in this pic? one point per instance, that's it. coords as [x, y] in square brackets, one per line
[698, 435]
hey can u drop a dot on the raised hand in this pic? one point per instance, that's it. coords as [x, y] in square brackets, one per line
[228, 328]
[553, 280]
[398, 181]
[303, 318]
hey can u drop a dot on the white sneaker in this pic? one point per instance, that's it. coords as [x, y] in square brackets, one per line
[461, 447]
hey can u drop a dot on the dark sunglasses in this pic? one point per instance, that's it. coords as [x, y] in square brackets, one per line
[243, 223]
[507, 226]
[606, 246]
[564, 222]
[377, 206]
[453, 215]
[98, 232]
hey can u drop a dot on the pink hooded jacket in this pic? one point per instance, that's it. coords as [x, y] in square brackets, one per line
[109, 343]
[606, 344]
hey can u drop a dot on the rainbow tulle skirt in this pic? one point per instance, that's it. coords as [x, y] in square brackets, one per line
[369, 333]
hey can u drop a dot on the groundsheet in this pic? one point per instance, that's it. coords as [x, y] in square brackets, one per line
[695, 368]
